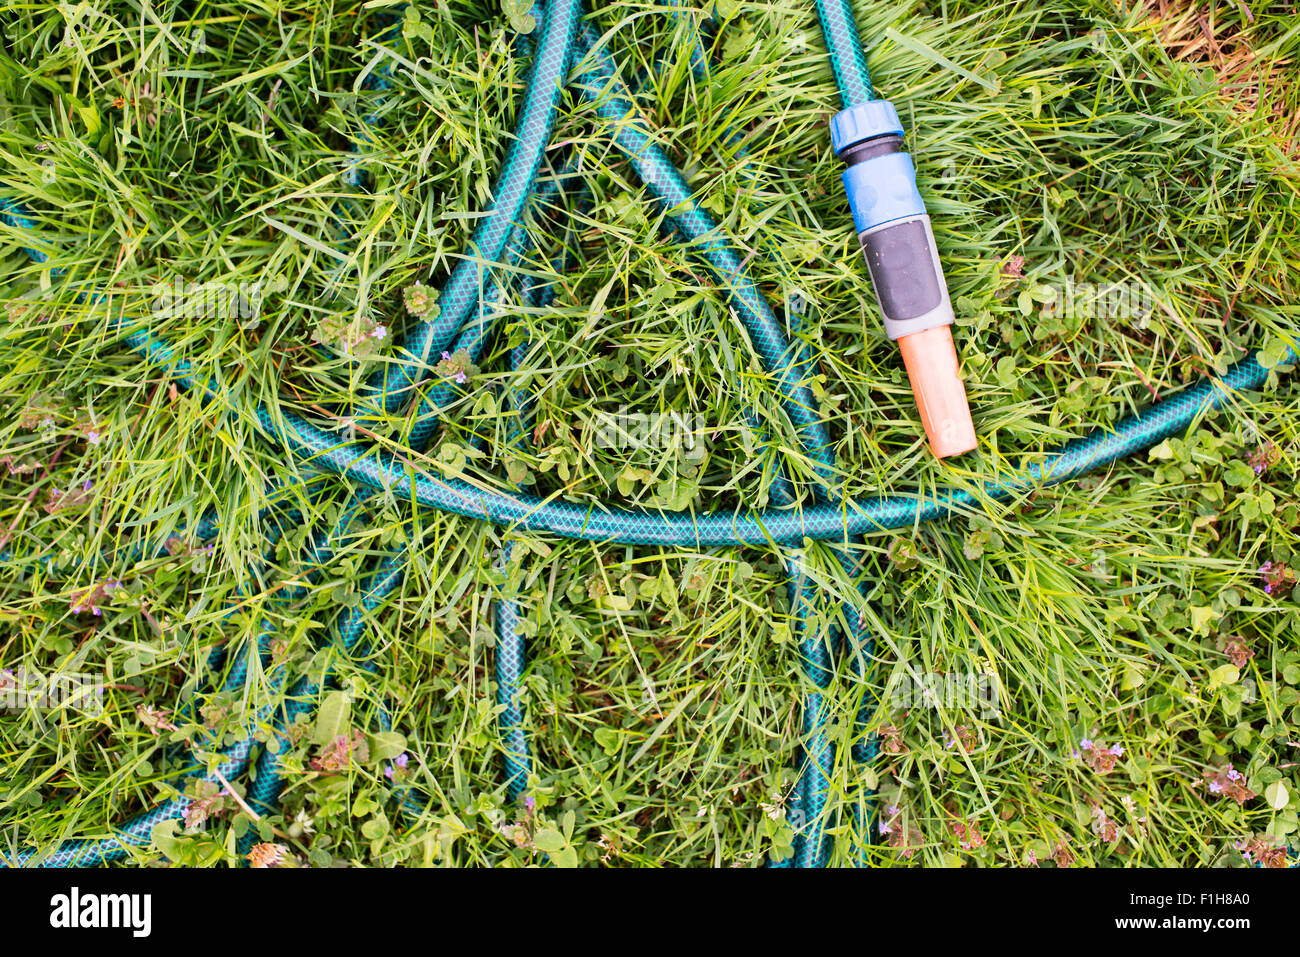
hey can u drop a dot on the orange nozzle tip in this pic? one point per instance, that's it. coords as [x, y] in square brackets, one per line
[931, 360]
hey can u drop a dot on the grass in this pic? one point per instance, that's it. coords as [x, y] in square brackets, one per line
[206, 141]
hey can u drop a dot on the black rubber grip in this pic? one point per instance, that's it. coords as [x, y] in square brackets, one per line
[903, 270]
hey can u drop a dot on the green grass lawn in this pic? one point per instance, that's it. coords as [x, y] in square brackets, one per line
[1130, 658]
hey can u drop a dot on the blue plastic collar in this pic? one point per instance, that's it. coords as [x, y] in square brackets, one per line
[862, 122]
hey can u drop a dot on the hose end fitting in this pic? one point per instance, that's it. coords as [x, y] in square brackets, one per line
[898, 242]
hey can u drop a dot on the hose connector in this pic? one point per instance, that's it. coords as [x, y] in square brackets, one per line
[896, 238]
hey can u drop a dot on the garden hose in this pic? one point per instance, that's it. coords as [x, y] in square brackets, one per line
[844, 46]
[613, 524]
[827, 518]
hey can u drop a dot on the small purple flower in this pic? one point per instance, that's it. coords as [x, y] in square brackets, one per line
[87, 485]
[1233, 775]
[89, 599]
[401, 761]
[1216, 787]
[379, 332]
[530, 803]
[455, 366]
[1085, 744]
[1276, 577]
[1267, 455]
[1117, 750]
[93, 437]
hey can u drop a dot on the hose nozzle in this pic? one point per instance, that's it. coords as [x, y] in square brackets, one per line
[898, 243]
